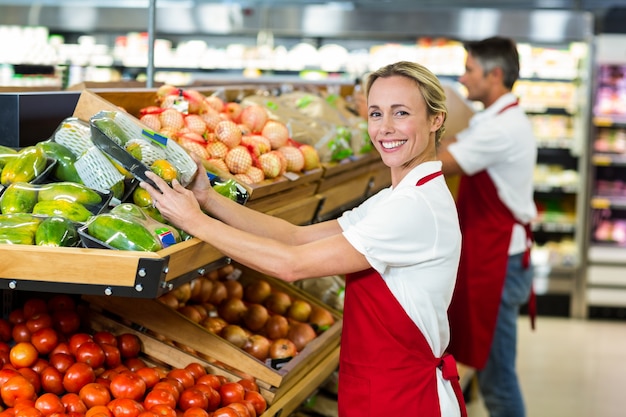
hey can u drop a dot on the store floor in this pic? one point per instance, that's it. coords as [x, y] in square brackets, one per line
[567, 368]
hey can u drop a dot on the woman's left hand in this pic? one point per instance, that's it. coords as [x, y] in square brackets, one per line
[176, 203]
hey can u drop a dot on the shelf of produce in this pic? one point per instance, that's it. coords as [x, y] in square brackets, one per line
[161, 319]
[105, 271]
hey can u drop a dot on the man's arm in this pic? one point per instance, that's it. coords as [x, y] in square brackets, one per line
[449, 165]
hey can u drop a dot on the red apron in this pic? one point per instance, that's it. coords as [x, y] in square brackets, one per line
[386, 366]
[487, 225]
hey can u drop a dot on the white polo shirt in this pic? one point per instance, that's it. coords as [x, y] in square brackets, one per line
[504, 144]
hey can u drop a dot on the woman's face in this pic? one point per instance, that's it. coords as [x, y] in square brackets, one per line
[398, 123]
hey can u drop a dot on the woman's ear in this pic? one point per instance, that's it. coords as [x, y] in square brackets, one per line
[437, 122]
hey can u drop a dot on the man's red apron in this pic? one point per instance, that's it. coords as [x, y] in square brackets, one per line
[386, 366]
[487, 226]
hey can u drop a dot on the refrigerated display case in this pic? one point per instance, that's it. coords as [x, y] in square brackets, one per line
[606, 251]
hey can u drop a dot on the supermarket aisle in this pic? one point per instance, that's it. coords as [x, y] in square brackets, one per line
[570, 368]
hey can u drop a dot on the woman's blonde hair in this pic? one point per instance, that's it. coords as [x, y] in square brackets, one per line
[427, 82]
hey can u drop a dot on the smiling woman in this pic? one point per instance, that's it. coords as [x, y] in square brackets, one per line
[399, 250]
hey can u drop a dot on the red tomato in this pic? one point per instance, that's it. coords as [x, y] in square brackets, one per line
[20, 332]
[61, 361]
[257, 400]
[195, 412]
[62, 347]
[212, 395]
[231, 392]
[52, 381]
[39, 321]
[6, 329]
[105, 337]
[134, 364]
[17, 316]
[112, 355]
[159, 396]
[32, 377]
[30, 411]
[211, 380]
[225, 412]
[73, 403]
[77, 376]
[249, 385]
[49, 403]
[61, 302]
[129, 345]
[196, 370]
[241, 409]
[40, 365]
[184, 376]
[250, 407]
[76, 340]
[128, 385]
[33, 306]
[23, 354]
[192, 397]
[45, 340]
[99, 411]
[147, 413]
[15, 388]
[94, 394]
[66, 321]
[150, 376]
[91, 353]
[125, 407]
[163, 410]
[168, 386]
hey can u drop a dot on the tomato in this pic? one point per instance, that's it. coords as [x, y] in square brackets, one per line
[39, 321]
[105, 337]
[32, 377]
[184, 376]
[128, 385]
[30, 411]
[167, 385]
[99, 411]
[49, 403]
[129, 345]
[134, 364]
[60, 302]
[33, 306]
[45, 340]
[192, 397]
[249, 385]
[62, 347]
[5, 330]
[196, 370]
[125, 407]
[159, 396]
[61, 361]
[147, 413]
[195, 412]
[39, 365]
[66, 321]
[257, 400]
[20, 332]
[52, 381]
[77, 376]
[231, 392]
[73, 403]
[77, 339]
[211, 380]
[241, 409]
[15, 388]
[212, 395]
[23, 354]
[225, 412]
[150, 376]
[163, 410]
[94, 394]
[17, 316]
[90, 353]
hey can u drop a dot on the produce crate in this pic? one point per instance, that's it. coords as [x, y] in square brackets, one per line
[345, 183]
[161, 319]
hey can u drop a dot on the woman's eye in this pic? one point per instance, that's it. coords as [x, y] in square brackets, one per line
[374, 114]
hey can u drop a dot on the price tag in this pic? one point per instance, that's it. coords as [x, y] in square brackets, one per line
[602, 160]
[600, 203]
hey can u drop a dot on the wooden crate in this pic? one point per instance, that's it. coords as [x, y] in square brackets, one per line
[159, 318]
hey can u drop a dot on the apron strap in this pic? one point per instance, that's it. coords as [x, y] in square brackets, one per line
[532, 300]
[450, 373]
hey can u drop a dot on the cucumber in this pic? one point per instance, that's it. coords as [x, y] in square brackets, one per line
[70, 191]
[75, 212]
[56, 231]
[122, 233]
[19, 197]
[64, 169]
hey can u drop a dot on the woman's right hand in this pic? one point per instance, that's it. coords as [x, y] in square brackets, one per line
[201, 184]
